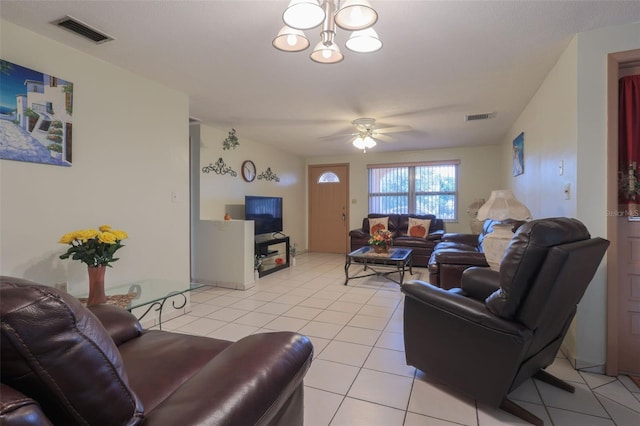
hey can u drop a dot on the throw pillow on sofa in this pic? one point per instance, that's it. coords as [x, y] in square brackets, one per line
[378, 224]
[418, 227]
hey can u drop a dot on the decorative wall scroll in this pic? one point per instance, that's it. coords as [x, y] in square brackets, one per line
[268, 175]
[220, 168]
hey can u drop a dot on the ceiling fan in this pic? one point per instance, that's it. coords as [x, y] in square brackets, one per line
[366, 133]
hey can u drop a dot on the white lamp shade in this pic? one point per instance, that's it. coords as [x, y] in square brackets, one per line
[356, 15]
[364, 41]
[290, 40]
[326, 54]
[303, 14]
[475, 206]
[503, 205]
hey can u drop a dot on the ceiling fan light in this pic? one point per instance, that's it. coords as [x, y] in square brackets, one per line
[324, 54]
[290, 40]
[364, 41]
[359, 143]
[369, 142]
[356, 15]
[303, 14]
[364, 142]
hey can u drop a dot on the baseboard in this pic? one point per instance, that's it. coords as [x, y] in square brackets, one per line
[225, 284]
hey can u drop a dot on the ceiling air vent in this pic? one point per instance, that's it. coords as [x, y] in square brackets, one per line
[485, 116]
[80, 28]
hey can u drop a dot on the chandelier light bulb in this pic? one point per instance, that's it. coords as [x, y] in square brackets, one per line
[326, 54]
[364, 41]
[356, 15]
[290, 40]
[303, 14]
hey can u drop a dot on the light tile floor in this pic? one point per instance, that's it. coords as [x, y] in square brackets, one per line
[359, 375]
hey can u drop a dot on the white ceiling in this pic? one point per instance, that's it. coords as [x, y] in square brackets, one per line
[440, 60]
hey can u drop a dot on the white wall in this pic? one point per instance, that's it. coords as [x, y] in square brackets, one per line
[593, 48]
[550, 137]
[130, 151]
[478, 175]
[566, 120]
[220, 194]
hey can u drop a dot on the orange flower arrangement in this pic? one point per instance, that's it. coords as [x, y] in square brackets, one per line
[381, 237]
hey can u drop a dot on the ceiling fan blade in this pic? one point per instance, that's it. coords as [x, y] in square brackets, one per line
[350, 140]
[384, 138]
[337, 136]
[394, 129]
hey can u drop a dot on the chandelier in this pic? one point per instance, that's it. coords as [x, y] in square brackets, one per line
[351, 15]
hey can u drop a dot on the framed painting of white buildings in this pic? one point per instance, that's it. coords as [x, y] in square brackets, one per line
[35, 116]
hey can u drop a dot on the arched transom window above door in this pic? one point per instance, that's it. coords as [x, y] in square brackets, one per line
[328, 177]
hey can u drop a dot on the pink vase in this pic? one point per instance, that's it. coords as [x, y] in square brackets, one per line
[96, 285]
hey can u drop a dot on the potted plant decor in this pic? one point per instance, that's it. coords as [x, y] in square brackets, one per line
[381, 241]
[292, 253]
[96, 248]
[257, 264]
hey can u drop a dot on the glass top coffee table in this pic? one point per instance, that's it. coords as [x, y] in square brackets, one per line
[150, 293]
[397, 260]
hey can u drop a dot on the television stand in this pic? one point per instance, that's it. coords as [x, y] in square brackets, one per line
[273, 258]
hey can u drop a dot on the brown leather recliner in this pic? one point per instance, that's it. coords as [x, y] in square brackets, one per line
[64, 364]
[501, 328]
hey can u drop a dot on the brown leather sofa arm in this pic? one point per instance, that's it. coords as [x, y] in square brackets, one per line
[454, 257]
[479, 283]
[358, 233]
[461, 308]
[273, 366]
[121, 325]
[435, 235]
[467, 239]
[16, 409]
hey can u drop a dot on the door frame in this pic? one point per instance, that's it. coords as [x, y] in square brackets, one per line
[614, 60]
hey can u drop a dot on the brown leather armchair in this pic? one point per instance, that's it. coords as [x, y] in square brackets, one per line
[501, 328]
[64, 364]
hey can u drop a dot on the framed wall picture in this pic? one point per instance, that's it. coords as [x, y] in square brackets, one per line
[518, 155]
[35, 116]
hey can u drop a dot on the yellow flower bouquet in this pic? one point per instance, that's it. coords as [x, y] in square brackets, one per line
[95, 247]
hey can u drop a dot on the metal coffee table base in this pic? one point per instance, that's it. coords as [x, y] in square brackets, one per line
[398, 261]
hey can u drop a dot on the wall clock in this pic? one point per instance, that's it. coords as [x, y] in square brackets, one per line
[248, 171]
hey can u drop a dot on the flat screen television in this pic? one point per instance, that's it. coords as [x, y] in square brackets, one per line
[266, 212]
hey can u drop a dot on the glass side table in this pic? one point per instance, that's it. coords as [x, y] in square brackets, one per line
[151, 294]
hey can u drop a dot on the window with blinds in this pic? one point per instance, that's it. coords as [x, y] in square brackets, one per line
[416, 188]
